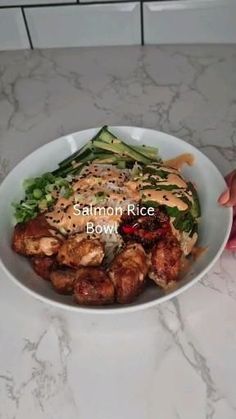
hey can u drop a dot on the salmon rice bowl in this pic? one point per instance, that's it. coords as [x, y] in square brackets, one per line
[109, 221]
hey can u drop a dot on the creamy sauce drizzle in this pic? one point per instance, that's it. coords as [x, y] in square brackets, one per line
[179, 161]
[173, 179]
[119, 190]
[165, 198]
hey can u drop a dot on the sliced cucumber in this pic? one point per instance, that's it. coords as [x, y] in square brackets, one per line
[106, 136]
[149, 152]
[86, 149]
[121, 164]
[63, 171]
[122, 150]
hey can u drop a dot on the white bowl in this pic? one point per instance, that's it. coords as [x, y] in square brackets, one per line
[214, 227]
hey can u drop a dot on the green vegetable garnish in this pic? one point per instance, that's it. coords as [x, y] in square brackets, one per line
[153, 204]
[156, 171]
[99, 197]
[184, 222]
[39, 195]
[173, 211]
[42, 192]
[196, 208]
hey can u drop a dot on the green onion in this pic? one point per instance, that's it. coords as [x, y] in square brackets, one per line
[37, 193]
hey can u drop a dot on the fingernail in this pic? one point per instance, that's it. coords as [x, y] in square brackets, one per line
[224, 197]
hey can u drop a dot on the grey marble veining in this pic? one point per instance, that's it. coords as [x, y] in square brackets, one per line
[176, 361]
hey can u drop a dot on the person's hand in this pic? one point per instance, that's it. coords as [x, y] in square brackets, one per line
[228, 199]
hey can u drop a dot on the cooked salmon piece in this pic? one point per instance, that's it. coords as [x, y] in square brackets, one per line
[79, 250]
[93, 287]
[166, 262]
[36, 238]
[128, 272]
[43, 266]
[63, 280]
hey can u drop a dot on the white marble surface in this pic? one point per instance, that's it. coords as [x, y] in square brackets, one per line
[176, 361]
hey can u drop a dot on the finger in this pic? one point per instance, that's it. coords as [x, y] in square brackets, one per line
[233, 230]
[232, 199]
[224, 197]
[230, 177]
[231, 245]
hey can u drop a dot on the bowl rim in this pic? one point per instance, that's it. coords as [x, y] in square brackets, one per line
[122, 309]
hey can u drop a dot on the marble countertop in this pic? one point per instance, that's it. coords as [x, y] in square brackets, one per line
[175, 361]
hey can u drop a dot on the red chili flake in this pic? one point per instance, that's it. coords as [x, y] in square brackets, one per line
[129, 229]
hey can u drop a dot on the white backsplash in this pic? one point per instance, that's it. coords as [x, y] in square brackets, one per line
[103, 24]
[32, 2]
[13, 34]
[185, 21]
[70, 23]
